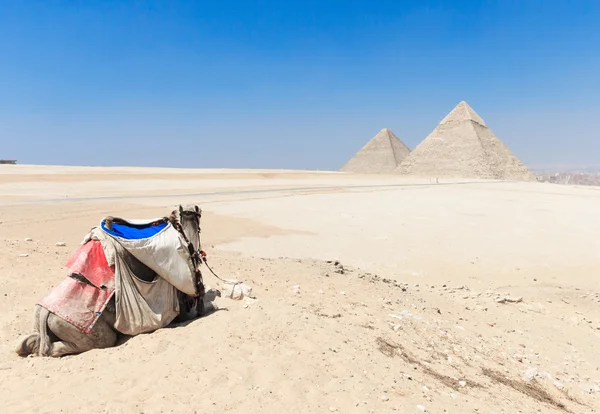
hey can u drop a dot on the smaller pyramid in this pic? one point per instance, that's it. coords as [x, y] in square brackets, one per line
[380, 155]
[462, 146]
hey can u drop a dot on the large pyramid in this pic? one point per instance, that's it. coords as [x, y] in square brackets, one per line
[462, 146]
[380, 155]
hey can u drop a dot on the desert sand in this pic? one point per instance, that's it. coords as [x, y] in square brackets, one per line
[374, 294]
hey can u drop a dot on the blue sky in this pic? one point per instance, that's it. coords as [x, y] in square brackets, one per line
[291, 84]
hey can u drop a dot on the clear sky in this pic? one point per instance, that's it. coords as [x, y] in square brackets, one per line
[291, 84]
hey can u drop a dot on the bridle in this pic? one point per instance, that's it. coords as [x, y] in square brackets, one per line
[196, 254]
[197, 214]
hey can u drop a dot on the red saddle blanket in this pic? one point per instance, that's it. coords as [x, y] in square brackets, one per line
[77, 301]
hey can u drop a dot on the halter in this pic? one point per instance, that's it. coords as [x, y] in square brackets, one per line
[198, 214]
[197, 255]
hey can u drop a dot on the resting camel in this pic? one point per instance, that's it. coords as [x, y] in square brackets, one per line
[55, 337]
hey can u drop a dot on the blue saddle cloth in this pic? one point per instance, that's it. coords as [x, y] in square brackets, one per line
[131, 231]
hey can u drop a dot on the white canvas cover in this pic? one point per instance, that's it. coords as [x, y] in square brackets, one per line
[165, 252]
[141, 306]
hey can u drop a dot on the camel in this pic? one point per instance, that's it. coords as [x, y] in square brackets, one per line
[55, 337]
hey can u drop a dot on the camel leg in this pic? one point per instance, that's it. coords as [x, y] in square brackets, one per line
[61, 348]
[73, 341]
[30, 343]
[56, 337]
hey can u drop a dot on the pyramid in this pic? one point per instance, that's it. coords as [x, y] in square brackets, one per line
[462, 146]
[380, 155]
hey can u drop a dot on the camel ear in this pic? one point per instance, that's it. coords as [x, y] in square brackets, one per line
[180, 210]
[198, 211]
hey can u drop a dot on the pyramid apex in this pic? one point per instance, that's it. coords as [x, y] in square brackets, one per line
[463, 112]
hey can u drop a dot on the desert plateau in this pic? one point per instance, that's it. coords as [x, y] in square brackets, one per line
[372, 294]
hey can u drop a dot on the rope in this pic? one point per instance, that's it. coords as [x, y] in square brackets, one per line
[222, 280]
[215, 275]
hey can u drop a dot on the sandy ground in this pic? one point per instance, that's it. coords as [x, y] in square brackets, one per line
[400, 305]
